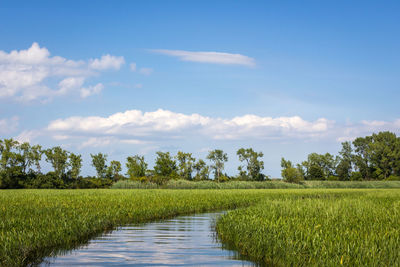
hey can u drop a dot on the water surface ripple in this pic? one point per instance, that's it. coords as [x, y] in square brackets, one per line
[181, 241]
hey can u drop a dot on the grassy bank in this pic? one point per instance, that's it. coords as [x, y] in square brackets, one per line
[37, 223]
[318, 230]
[295, 224]
[184, 184]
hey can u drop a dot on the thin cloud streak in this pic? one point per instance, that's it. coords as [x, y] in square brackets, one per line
[209, 57]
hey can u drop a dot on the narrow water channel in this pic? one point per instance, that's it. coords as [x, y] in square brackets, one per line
[181, 241]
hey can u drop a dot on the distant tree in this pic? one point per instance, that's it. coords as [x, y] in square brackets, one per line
[385, 154]
[114, 169]
[75, 161]
[99, 162]
[36, 156]
[319, 166]
[58, 158]
[24, 156]
[218, 157]
[10, 167]
[362, 158]
[289, 173]
[202, 170]
[8, 156]
[253, 166]
[345, 159]
[185, 164]
[136, 166]
[165, 165]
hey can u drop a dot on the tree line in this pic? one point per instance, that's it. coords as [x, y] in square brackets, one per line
[374, 157]
[20, 167]
[366, 158]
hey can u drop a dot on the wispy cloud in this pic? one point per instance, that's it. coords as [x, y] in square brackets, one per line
[25, 74]
[209, 57]
[8, 125]
[146, 71]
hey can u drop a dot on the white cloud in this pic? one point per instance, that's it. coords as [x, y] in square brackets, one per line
[107, 62]
[70, 83]
[28, 136]
[163, 124]
[209, 57]
[33, 74]
[146, 71]
[134, 127]
[365, 127]
[132, 66]
[91, 90]
[8, 125]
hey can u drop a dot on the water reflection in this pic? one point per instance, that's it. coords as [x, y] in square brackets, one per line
[182, 241]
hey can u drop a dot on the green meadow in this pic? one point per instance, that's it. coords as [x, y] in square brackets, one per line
[279, 226]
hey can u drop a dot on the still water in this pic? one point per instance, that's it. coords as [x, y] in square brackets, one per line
[181, 241]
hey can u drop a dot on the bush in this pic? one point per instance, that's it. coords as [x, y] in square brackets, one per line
[333, 178]
[292, 175]
[356, 176]
[129, 184]
[393, 178]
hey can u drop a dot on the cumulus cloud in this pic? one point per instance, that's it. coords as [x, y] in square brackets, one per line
[8, 125]
[209, 57]
[353, 130]
[137, 127]
[29, 74]
[107, 62]
[134, 127]
[91, 90]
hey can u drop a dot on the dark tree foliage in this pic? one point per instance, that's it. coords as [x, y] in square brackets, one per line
[375, 157]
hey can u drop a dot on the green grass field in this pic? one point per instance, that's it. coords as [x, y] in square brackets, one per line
[273, 184]
[352, 228]
[37, 223]
[281, 226]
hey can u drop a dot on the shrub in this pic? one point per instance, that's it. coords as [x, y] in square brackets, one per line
[292, 175]
[393, 178]
[356, 176]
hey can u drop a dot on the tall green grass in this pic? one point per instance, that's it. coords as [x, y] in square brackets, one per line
[318, 230]
[185, 184]
[283, 226]
[38, 223]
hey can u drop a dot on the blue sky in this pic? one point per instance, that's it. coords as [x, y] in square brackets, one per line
[285, 77]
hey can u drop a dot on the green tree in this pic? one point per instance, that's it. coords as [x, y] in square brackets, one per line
[185, 164]
[218, 157]
[362, 157]
[345, 159]
[24, 156]
[202, 170]
[99, 162]
[289, 173]
[319, 166]
[58, 158]
[253, 165]
[10, 169]
[114, 169]
[36, 156]
[136, 166]
[8, 156]
[385, 154]
[75, 161]
[165, 165]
